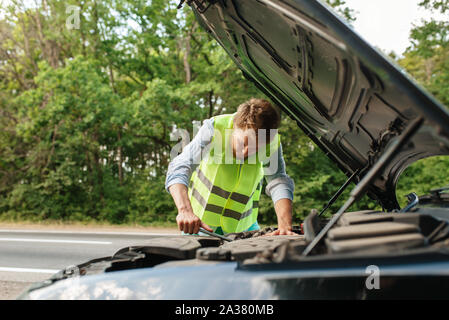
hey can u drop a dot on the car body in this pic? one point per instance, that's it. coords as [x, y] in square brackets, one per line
[366, 114]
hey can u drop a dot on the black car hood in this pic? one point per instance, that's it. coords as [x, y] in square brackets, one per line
[345, 95]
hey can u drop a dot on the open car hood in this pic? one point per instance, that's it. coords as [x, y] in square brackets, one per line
[345, 95]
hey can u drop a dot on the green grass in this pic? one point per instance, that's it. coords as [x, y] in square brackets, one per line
[90, 223]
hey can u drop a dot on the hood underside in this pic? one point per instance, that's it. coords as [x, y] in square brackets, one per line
[348, 98]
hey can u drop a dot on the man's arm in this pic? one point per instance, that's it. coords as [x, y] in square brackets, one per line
[280, 188]
[283, 208]
[187, 221]
[181, 167]
[178, 175]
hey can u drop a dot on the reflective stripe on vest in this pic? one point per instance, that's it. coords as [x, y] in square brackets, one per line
[222, 194]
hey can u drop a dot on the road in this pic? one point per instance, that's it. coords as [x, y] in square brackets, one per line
[27, 256]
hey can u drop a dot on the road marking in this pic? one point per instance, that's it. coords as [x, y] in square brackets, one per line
[32, 270]
[55, 241]
[112, 233]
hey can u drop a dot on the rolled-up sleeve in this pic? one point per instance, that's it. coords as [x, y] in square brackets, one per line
[181, 167]
[279, 185]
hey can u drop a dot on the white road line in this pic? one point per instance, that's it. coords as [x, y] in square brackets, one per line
[55, 241]
[32, 270]
[90, 232]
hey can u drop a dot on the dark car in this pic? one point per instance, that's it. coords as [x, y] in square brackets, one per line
[367, 116]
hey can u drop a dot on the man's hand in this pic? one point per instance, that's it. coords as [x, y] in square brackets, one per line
[186, 219]
[281, 232]
[189, 222]
[283, 208]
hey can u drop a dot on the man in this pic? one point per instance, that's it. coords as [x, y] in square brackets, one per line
[217, 179]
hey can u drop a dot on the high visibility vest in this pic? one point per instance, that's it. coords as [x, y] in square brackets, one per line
[226, 194]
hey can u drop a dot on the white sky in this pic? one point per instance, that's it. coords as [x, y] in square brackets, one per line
[387, 23]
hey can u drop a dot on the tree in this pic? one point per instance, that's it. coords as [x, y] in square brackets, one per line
[87, 112]
[345, 12]
[427, 60]
[87, 108]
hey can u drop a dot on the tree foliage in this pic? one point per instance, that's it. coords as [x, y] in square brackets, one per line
[345, 12]
[87, 106]
[90, 92]
[427, 60]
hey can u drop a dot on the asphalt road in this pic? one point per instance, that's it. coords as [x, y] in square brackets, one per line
[27, 256]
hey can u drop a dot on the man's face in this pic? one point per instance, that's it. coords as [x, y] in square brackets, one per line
[244, 143]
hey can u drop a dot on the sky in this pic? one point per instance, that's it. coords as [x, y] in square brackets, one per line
[387, 23]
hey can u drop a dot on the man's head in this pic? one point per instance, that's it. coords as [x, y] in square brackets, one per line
[253, 118]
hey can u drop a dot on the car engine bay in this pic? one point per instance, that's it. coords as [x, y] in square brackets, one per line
[357, 234]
